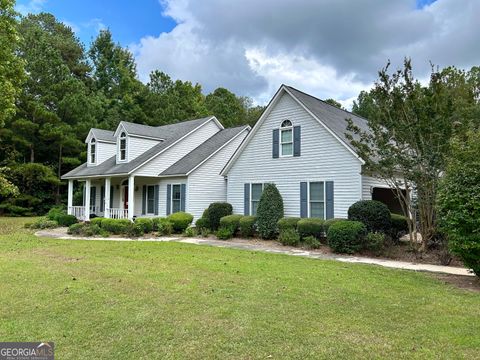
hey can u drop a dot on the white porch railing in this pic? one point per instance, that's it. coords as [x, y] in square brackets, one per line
[77, 211]
[116, 213]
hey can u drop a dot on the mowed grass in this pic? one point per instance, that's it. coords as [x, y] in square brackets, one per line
[131, 300]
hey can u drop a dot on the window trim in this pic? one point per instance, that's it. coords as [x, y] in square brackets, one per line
[280, 142]
[122, 136]
[92, 143]
[251, 195]
[309, 215]
[171, 198]
[146, 200]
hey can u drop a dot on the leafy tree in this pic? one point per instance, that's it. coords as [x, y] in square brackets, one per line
[226, 107]
[410, 130]
[459, 200]
[7, 188]
[334, 103]
[269, 211]
[11, 66]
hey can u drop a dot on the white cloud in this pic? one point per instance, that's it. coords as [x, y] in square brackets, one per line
[33, 7]
[328, 48]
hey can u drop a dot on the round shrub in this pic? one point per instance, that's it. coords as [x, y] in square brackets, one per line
[162, 225]
[329, 222]
[231, 221]
[54, 212]
[375, 242]
[269, 211]
[180, 221]
[399, 226]
[190, 231]
[97, 221]
[215, 212]
[135, 230]
[310, 227]
[289, 237]
[146, 224]
[86, 229]
[311, 242]
[224, 233]
[346, 236]
[202, 223]
[44, 223]
[66, 220]
[75, 229]
[247, 226]
[287, 223]
[116, 226]
[374, 214]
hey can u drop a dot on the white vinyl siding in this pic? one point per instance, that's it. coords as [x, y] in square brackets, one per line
[323, 158]
[137, 146]
[105, 151]
[205, 184]
[368, 183]
[155, 166]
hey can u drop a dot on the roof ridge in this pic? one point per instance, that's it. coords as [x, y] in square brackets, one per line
[323, 101]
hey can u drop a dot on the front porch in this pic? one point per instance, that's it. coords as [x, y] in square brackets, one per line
[115, 197]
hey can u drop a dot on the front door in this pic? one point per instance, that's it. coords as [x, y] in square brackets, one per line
[125, 197]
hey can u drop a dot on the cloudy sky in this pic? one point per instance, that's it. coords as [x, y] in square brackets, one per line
[329, 48]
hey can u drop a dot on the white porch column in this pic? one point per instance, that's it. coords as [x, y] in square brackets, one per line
[131, 196]
[106, 206]
[88, 184]
[70, 197]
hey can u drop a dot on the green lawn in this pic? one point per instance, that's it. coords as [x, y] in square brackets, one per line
[125, 300]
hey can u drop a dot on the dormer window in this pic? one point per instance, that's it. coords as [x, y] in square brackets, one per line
[286, 138]
[123, 146]
[92, 151]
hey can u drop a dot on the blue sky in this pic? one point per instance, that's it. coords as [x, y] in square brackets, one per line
[128, 20]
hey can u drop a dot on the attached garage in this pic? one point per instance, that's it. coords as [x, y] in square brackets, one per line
[388, 197]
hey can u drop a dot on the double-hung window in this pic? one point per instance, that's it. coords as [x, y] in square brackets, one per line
[176, 198]
[150, 199]
[317, 200]
[123, 146]
[286, 138]
[92, 151]
[256, 193]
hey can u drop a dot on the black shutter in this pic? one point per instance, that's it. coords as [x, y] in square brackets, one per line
[275, 142]
[183, 192]
[246, 199]
[303, 200]
[144, 199]
[296, 140]
[111, 196]
[102, 199]
[156, 198]
[169, 195]
[329, 195]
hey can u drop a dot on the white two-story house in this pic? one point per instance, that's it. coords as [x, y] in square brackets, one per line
[299, 144]
[140, 170]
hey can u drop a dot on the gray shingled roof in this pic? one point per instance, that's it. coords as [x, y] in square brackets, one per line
[103, 135]
[202, 152]
[170, 133]
[331, 116]
[144, 130]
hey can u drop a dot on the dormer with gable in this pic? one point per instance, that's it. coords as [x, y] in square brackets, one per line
[100, 146]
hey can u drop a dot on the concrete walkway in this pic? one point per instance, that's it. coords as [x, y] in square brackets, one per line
[61, 234]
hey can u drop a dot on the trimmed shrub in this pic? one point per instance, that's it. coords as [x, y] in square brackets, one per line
[329, 222]
[311, 242]
[135, 230]
[289, 237]
[43, 223]
[190, 232]
[54, 212]
[86, 229]
[145, 223]
[162, 225]
[224, 233]
[346, 236]
[399, 226]
[116, 226]
[287, 223]
[310, 227]
[232, 222]
[215, 212]
[269, 211]
[97, 221]
[373, 214]
[202, 223]
[375, 242]
[66, 220]
[180, 221]
[247, 226]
